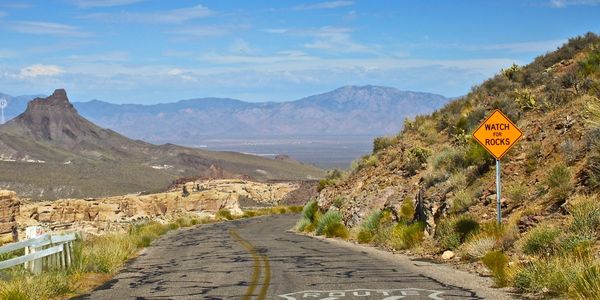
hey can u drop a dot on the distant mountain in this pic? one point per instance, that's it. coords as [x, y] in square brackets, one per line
[50, 151]
[350, 110]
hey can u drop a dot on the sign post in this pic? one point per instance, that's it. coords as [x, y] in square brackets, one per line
[497, 134]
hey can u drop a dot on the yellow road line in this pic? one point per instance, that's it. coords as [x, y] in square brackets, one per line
[255, 268]
[263, 290]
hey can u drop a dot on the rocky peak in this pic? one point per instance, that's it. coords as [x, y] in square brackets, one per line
[58, 100]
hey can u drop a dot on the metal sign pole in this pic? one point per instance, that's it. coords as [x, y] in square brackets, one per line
[498, 192]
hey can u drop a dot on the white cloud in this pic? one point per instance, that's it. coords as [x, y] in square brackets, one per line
[324, 5]
[2, 14]
[333, 39]
[565, 3]
[200, 31]
[47, 28]
[241, 46]
[5, 53]
[40, 70]
[113, 56]
[173, 16]
[102, 3]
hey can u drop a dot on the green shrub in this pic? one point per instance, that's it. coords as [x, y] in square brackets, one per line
[414, 158]
[524, 98]
[586, 284]
[48, 285]
[450, 160]
[559, 183]
[327, 221]
[323, 183]
[337, 230]
[512, 73]
[453, 231]
[580, 244]
[586, 214]
[338, 202]
[517, 192]
[310, 209]
[497, 262]
[369, 227]
[461, 201]
[295, 209]
[381, 143]
[554, 275]
[407, 210]
[224, 214]
[303, 225]
[541, 240]
[407, 236]
[591, 64]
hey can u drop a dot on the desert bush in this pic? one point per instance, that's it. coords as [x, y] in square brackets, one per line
[407, 210]
[585, 211]
[512, 73]
[590, 66]
[577, 244]
[559, 183]
[517, 192]
[24, 286]
[224, 214]
[414, 158]
[461, 201]
[369, 227]
[541, 240]
[329, 219]
[453, 231]
[331, 178]
[383, 142]
[295, 209]
[524, 99]
[406, 236]
[309, 218]
[497, 262]
[554, 275]
[590, 174]
[586, 284]
[338, 201]
[450, 160]
[478, 246]
[106, 254]
[458, 180]
[303, 224]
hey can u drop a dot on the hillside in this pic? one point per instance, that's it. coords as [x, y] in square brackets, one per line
[50, 151]
[350, 110]
[550, 178]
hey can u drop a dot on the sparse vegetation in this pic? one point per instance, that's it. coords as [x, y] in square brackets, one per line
[369, 227]
[453, 231]
[541, 240]
[559, 183]
[497, 262]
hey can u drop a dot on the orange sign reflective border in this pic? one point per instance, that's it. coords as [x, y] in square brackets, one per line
[497, 134]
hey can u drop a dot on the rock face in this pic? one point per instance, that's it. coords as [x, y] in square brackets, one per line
[9, 209]
[115, 213]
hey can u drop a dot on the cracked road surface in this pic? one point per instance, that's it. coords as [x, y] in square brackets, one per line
[260, 259]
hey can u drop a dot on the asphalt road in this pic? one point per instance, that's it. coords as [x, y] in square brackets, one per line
[261, 259]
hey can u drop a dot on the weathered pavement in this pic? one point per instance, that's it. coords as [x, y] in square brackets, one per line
[260, 259]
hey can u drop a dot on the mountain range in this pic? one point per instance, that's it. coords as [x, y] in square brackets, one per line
[350, 110]
[50, 151]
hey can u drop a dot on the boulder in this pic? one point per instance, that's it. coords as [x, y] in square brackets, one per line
[447, 255]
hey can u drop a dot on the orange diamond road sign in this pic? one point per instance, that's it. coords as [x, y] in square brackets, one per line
[497, 134]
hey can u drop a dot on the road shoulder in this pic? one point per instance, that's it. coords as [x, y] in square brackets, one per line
[444, 274]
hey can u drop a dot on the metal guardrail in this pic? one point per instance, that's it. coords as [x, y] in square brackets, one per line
[43, 252]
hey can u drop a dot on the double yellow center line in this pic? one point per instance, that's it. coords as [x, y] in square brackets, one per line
[256, 269]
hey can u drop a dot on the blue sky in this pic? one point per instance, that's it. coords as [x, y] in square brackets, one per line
[136, 51]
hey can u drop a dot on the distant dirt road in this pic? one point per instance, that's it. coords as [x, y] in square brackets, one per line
[260, 259]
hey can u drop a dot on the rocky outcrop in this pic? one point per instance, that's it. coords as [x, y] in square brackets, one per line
[114, 213]
[9, 209]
